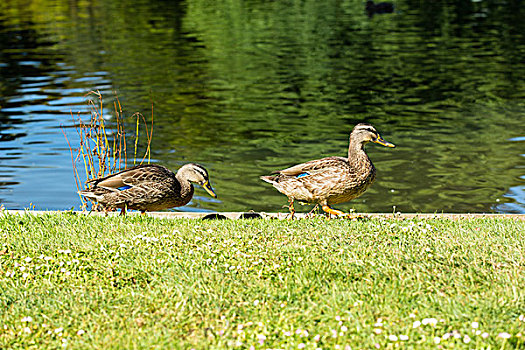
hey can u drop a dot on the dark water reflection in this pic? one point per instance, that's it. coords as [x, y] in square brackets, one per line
[249, 87]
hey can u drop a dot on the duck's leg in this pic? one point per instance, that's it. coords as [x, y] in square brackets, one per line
[123, 210]
[311, 212]
[291, 208]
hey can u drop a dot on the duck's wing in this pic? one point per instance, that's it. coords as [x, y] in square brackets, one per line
[314, 167]
[139, 175]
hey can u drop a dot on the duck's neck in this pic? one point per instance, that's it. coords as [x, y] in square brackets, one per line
[357, 155]
[185, 184]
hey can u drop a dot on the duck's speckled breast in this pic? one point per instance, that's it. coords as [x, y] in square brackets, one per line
[345, 192]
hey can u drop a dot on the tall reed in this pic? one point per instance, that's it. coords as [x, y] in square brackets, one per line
[102, 145]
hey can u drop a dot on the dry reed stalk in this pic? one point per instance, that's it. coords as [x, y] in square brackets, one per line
[102, 149]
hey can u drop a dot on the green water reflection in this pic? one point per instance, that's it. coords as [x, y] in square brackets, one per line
[247, 87]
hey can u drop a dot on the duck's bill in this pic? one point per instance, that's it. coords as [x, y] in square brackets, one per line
[208, 189]
[382, 142]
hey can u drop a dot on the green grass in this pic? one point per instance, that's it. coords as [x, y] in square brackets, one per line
[138, 282]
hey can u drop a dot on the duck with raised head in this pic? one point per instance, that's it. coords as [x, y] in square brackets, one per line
[148, 187]
[331, 180]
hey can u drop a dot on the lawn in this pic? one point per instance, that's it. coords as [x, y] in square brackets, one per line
[71, 281]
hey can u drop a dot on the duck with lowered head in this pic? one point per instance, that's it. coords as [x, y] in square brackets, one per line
[148, 187]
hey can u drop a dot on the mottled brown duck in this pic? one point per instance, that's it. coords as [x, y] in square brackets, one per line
[148, 188]
[331, 180]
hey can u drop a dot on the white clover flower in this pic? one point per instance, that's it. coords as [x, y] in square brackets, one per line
[338, 318]
[261, 337]
[437, 340]
[412, 315]
[27, 319]
[334, 333]
[484, 335]
[317, 338]
[521, 318]
[25, 275]
[416, 324]
[446, 336]
[392, 337]
[378, 324]
[287, 333]
[255, 302]
[466, 339]
[344, 328]
[59, 330]
[377, 330]
[301, 346]
[504, 335]
[27, 259]
[27, 330]
[403, 337]
[430, 321]
[475, 325]
[80, 332]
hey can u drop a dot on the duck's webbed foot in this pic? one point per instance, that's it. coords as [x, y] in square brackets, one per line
[341, 214]
[331, 211]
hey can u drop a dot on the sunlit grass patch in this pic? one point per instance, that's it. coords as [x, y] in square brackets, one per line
[92, 282]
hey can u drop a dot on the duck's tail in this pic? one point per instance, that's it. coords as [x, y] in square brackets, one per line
[270, 179]
[90, 194]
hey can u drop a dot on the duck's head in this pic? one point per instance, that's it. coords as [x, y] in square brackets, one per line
[197, 173]
[364, 133]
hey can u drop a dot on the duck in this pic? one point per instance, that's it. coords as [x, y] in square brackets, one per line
[378, 8]
[148, 187]
[331, 180]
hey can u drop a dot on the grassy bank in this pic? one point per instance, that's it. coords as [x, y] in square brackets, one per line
[139, 282]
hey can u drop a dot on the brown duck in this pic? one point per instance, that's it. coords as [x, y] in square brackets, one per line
[331, 180]
[148, 187]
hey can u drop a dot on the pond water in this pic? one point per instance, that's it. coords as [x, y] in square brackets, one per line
[247, 87]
